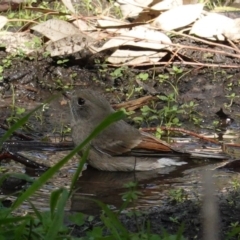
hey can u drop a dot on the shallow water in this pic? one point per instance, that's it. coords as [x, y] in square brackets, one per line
[155, 186]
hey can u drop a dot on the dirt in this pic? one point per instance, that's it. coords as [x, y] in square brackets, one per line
[186, 218]
[35, 81]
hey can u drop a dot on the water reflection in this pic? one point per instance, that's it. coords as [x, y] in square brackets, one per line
[108, 187]
[104, 186]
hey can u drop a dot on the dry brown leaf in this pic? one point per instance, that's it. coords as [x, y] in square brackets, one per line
[131, 57]
[55, 29]
[68, 45]
[83, 25]
[139, 36]
[232, 32]
[178, 17]
[132, 8]
[111, 22]
[211, 26]
[19, 40]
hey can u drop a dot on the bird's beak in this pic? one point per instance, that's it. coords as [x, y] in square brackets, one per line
[67, 95]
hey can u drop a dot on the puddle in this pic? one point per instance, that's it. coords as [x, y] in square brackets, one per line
[154, 186]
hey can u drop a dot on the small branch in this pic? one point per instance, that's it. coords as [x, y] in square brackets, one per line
[182, 131]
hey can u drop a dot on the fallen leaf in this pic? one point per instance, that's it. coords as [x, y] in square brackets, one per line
[110, 22]
[55, 29]
[232, 31]
[167, 4]
[140, 36]
[83, 25]
[14, 42]
[132, 8]
[3, 21]
[131, 57]
[211, 26]
[178, 17]
[68, 45]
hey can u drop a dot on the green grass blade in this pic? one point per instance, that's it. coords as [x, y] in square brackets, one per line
[116, 116]
[14, 220]
[79, 170]
[116, 225]
[57, 222]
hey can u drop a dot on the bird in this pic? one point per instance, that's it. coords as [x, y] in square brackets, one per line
[119, 147]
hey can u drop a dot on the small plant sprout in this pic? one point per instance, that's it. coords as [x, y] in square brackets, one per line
[131, 195]
[232, 97]
[159, 133]
[117, 73]
[178, 195]
[176, 71]
[235, 183]
[189, 110]
[143, 76]
[169, 113]
[62, 61]
[163, 77]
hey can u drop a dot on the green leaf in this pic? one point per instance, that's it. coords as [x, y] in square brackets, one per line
[143, 76]
[163, 98]
[54, 200]
[77, 218]
[57, 222]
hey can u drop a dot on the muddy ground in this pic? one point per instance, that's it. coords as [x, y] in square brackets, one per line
[35, 80]
[185, 217]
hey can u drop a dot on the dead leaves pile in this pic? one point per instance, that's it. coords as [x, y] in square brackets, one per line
[143, 40]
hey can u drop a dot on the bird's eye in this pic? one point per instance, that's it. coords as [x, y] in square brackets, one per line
[80, 101]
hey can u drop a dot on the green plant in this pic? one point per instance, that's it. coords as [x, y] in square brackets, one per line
[197, 121]
[16, 112]
[148, 114]
[169, 113]
[132, 194]
[35, 43]
[118, 72]
[62, 61]
[159, 132]
[39, 114]
[178, 195]
[176, 71]
[232, 97]
[6, 63]
[174, 220]
[142, 76]
[189, 110]
[235, 184]
[234, 231]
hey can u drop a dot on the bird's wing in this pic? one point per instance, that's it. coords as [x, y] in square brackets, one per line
[130, 142]
[150, 142]
[117, 139]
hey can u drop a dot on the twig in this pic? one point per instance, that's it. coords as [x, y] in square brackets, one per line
[17, 134]
[182, 131]
[23, 160]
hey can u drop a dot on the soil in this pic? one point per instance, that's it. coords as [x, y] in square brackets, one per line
[186, 218]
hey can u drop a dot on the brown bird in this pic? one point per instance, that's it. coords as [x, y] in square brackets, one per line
[120, 147]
